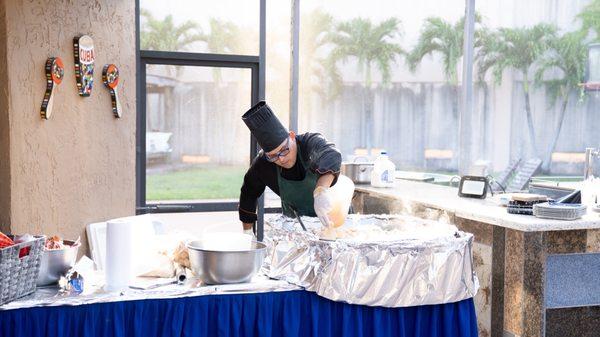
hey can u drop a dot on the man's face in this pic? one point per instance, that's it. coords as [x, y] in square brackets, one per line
[288, 160]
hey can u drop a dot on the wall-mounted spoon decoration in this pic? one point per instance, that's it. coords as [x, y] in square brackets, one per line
[55, 71]
[110, 77]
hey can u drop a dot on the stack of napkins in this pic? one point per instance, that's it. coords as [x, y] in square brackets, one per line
[559, 211]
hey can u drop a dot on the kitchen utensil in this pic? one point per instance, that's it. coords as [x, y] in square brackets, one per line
[358, 172]
[56, 262]
[298, 217]
[231, 266]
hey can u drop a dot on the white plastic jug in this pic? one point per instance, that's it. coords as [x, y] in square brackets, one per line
[383, 171]
[590, 191]
[342, 192]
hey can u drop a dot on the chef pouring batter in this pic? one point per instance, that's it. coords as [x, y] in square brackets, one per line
[299, 168]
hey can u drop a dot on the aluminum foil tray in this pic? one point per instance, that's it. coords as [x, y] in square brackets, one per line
[391, 261]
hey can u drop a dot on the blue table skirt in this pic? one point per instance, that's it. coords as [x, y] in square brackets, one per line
[290, 313]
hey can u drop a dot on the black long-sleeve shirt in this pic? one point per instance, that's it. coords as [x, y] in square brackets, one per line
[322, 157]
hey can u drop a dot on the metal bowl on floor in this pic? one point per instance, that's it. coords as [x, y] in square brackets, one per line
[56, 262]
[215, 266]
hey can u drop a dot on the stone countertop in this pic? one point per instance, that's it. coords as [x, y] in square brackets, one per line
[482, 210]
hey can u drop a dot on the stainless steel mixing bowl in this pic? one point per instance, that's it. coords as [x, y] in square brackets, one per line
[219, 267]
[55, 263]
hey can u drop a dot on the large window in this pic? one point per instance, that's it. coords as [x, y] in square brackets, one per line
[530, 103]
[391, 77]
[369, 77]
[383, 77]
[196, 148]
[200, 26]
[199, 69]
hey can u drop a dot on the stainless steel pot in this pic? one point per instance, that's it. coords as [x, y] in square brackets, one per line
[358, 172]
[55, 263]
[218, 267]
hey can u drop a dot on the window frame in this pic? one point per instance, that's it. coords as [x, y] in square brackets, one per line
[145, 57]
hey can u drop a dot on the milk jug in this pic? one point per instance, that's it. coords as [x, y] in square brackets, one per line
[383, 171]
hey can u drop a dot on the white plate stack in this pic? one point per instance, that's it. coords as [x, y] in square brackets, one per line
[559, 211]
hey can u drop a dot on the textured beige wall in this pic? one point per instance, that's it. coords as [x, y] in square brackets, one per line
[4, 135]
[79, 166]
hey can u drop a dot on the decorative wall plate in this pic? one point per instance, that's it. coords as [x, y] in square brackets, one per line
[83, 47]
[110, 77]
[55, 71]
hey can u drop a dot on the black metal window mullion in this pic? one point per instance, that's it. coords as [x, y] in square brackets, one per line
[261, 90]
[141, 139]
[140, 148]
[199, 59]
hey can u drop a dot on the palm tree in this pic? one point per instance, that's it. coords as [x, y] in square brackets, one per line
[224, 37]
[318, 74]
[370, 45]
[590, 18]
[440, 36]
[519, 49]
[567, 54]
[165, 35]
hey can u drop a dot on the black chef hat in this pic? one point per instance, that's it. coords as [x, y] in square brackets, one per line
[265, 126]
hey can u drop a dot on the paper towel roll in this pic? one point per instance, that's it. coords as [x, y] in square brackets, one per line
[119, 254]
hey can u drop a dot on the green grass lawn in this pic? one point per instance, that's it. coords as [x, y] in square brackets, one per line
[216, 182]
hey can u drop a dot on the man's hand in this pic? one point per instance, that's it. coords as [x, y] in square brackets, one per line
[323, 204]
[248, 229]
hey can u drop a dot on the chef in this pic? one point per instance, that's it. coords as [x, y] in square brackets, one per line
[298, 168]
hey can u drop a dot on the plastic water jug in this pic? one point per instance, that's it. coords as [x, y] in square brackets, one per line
[383, 171]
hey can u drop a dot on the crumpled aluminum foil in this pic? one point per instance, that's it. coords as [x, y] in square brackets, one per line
[411, 270]
[94, 293]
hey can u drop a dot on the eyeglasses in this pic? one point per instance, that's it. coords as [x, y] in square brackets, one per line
[284, 152]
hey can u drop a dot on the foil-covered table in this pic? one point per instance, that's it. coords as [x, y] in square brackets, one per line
[401, 261]
[94, 293]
